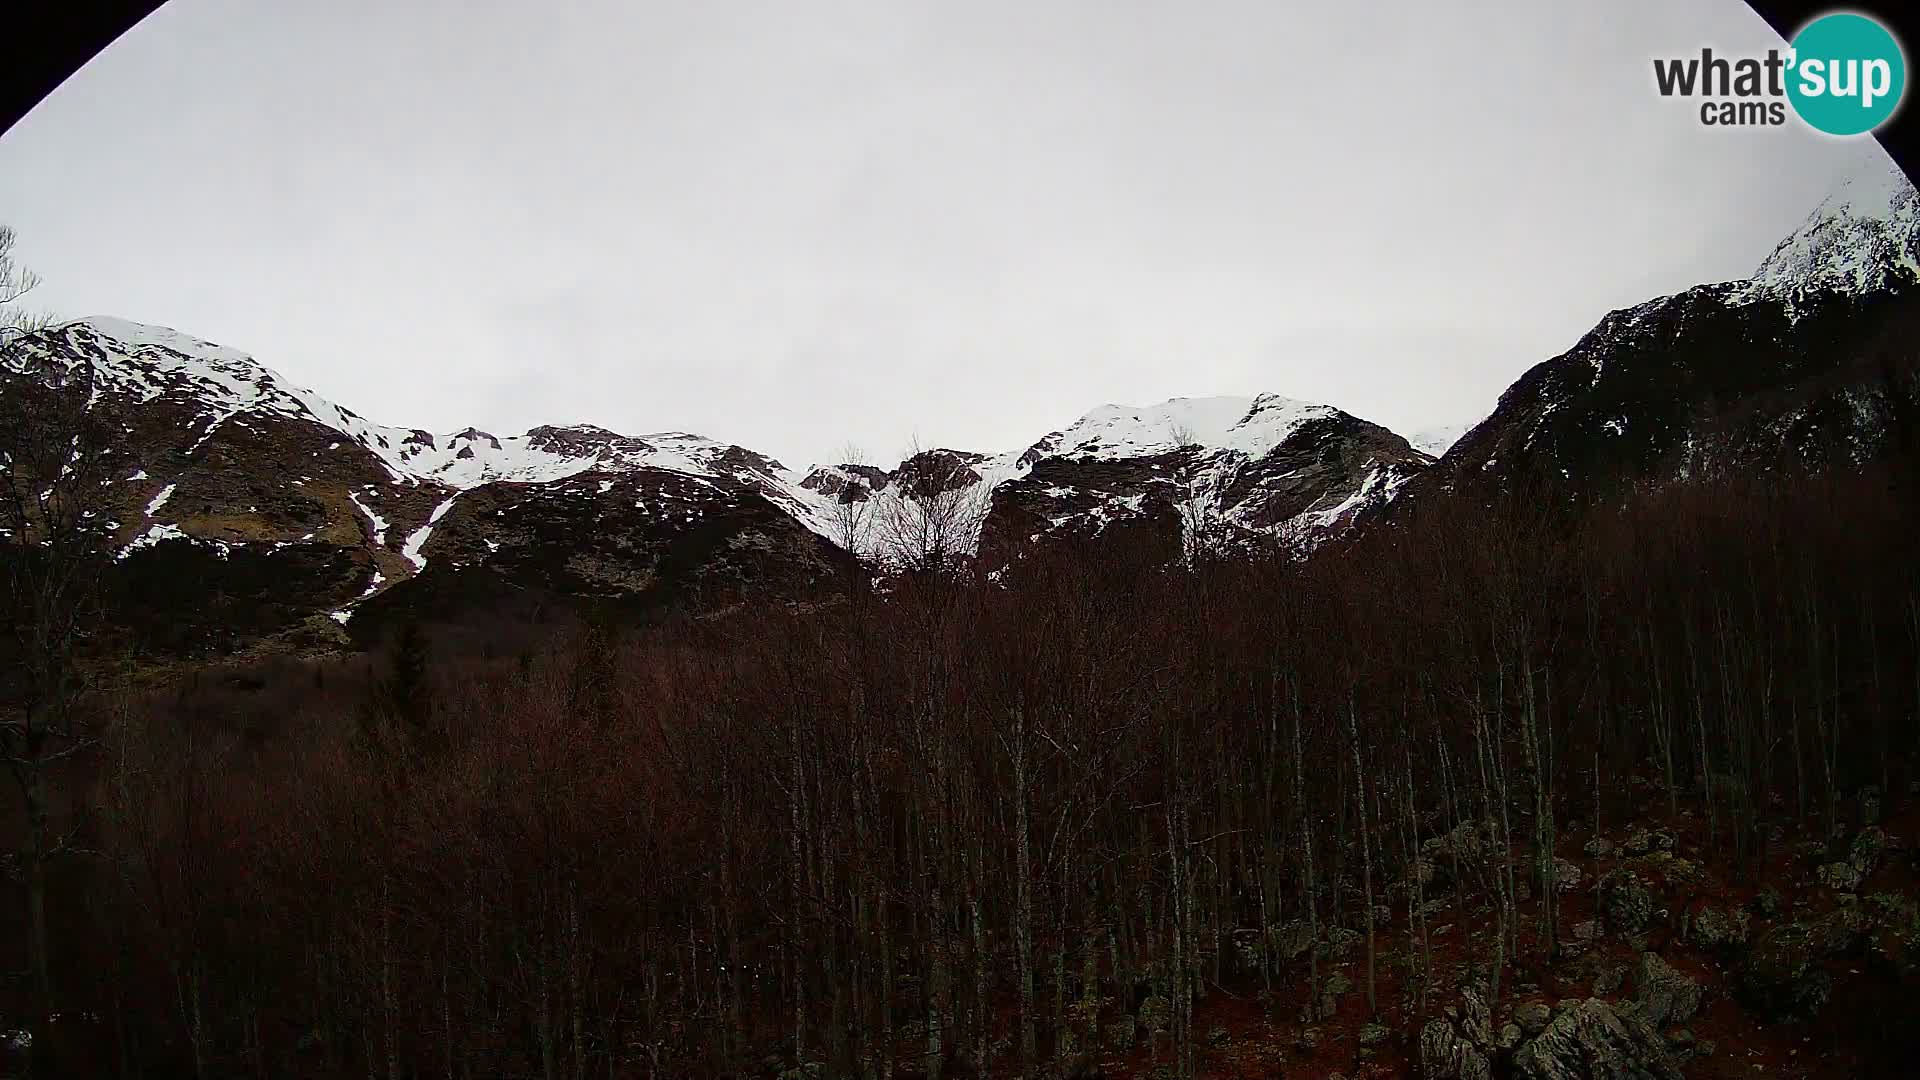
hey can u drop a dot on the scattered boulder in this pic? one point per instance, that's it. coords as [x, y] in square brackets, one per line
[1839, 876]
[1609, 980]
[1639, 842]
[1664, 997]
[1685, 1047]
[1374, 1034]
[1783, 978]
[1533, 1017]
[1849, 871]
[1292, 939]
[1155, 1012]
[1669, 867]
[1720, 930]
[1476, 1017]
[1447, 1055]
[1867, 848]
[1459, 1045]
[1334, 987]
[1625, 901]
[1599, 847]
[1464, 842]
[1566, 875]
[1339, 941]
[1590, 1039]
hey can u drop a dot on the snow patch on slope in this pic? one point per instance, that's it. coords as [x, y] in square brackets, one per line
[379, 523]
[160, 500]
[418, 538]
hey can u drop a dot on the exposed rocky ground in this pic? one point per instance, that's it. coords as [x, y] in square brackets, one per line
[1670, 964]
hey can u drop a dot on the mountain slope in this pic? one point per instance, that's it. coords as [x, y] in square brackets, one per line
[1203, 473]
[1805, 363]
[252, 487]
[254, 508]
[251, 508]
[1220, 472]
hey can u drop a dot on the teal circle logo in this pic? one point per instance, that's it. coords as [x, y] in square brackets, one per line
[1848, 74]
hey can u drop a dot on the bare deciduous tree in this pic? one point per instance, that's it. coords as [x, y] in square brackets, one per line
[851, 518]
[932, 520]
[16, 282]
[54, 536]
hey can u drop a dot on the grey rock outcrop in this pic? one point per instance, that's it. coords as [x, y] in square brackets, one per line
[1590, 1040]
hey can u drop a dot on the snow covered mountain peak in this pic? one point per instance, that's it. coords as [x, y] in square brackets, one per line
[1252, 426]
[1865, 230]
[221, 385]
[1252, 465]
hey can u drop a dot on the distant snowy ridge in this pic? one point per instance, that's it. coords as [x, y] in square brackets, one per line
[1232, 466]
[1435, 442]
[227, 386]
[150, 360]
[1212, 444]
[1249, 426]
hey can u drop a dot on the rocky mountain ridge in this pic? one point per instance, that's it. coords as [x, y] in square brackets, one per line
[259, 488]
[1804, 363]
[231, 464]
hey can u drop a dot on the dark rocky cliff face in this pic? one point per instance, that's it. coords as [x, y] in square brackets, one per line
[1313, 482]
[1694, 384]
[1807, 363]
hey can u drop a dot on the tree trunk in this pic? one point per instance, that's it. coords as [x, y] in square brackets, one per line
[39, 965]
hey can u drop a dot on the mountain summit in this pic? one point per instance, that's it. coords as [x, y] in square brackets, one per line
[1859, 239]
[1798, 365]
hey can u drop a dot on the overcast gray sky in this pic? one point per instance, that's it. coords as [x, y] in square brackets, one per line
[791, 225]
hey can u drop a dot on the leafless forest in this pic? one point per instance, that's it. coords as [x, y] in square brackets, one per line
[950, 824]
